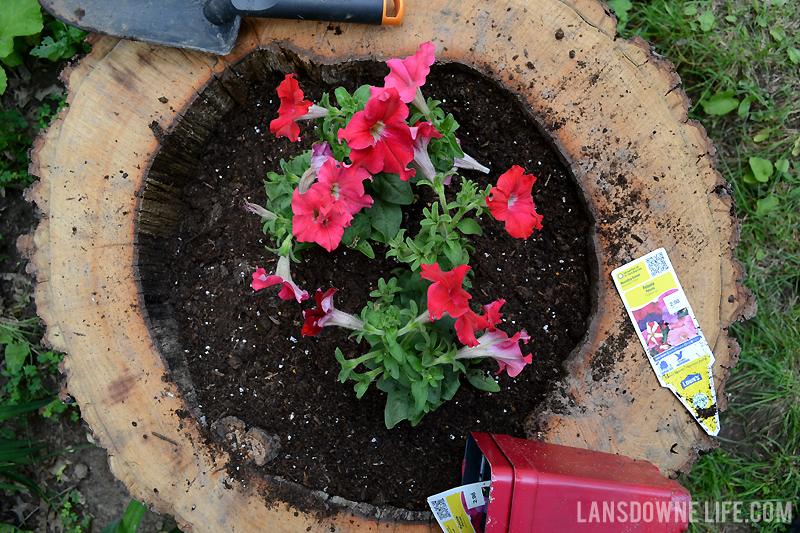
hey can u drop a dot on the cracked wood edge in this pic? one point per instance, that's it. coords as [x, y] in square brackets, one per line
[82, 252]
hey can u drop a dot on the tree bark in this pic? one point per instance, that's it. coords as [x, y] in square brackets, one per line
[613, 108]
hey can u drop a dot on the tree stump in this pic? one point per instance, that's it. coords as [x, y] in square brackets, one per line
[614, 109]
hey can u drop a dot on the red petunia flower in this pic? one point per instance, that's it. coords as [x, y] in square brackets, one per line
[325, 314]
[446, 294]
[293, 108]
[318, 218]
[468, 324]
[282, 275]
[511, 201]
[379, 138]
[345, 184]
[492, 312]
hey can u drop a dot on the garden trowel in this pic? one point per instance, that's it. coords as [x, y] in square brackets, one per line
[209, 25]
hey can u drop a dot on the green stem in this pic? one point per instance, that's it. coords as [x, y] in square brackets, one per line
[366, 357]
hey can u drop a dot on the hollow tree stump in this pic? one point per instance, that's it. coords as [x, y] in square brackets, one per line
[613, 108]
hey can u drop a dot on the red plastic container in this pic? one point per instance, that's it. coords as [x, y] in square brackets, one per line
[539, 487]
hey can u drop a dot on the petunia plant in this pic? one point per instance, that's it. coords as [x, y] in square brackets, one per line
[421, 332]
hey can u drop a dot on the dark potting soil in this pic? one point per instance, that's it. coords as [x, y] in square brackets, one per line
[245, 351]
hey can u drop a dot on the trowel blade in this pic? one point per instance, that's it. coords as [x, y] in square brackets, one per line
[178, 23]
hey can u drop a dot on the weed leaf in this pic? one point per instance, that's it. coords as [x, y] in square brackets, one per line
[765, 206]
[762, 168]
[720, 104]
[778, 33]
[706, 21]
[17, 18]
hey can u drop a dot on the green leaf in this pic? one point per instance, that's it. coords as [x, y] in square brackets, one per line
[112, 527]
[3, 80]
[16, 353]
[706, 21]
[452, 250]
[365, 248]
[782, 165]
[385, 218]
[398, 404]
[720, 104]
[132, 517]
[419, 390]
[468, 226]
[690, 10]
[397, 352]
[392, 367]
[748, 177]
[794, 55]
[765, 206]
[762, 135]
[483, 382]
[761, 254]
[621, 8]
[8, 528]
[777, 33]
[17, 18]
[762, 168]
[392, 189]
[360, 229]
[744, 107]
[731, 18]
[10, 411]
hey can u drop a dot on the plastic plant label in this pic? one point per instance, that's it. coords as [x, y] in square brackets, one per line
[670, 334]
[462, 509]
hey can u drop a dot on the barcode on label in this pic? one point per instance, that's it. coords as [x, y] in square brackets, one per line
[441, 509]
[656, 264]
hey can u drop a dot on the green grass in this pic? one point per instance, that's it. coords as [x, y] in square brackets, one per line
[740, 65]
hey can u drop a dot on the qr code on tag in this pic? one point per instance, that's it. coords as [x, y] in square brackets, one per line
[441, 509]
[657, 264]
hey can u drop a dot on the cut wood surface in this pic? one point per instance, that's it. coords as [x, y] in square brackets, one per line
[614, 109]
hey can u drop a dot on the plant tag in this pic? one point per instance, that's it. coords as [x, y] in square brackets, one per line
[462, 509]
[670, 334]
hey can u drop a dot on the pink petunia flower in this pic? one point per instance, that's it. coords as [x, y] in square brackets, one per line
[345, 183]
[511, 201]
[293, 108]
[497, 345]
[422, 133]
[681, 331]
[446, 294]
[468, 162]
[409, 74]
[325, 314]
[318, 218]
[260, 211]
[320, 153]
[379, 138]
[282, 275]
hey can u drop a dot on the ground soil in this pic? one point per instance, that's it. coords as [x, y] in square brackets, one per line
[249, 360]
